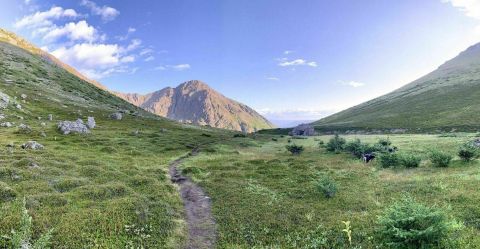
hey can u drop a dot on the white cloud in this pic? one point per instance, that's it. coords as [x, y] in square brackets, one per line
[287, 52]
[105, 12]
[471, 8]
[41, 19]
[74, 31]
[352, 83]
[273, 78]
[284, 62]
[149, 58]
[179, 67]
[134, 45]
[295, 114]
[96, 60]
[146, 51]
[160, 68]
[131, 30]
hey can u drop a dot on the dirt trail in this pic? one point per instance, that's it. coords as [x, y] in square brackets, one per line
[201, 225]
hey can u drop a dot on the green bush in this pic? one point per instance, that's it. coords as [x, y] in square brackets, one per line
[327, 186]
[389, 160]
[410, 161]
[6, 193]
[336, 144]
[440, 159]
[410, 225]
[467, 152]
[295, 149]
[384, 142]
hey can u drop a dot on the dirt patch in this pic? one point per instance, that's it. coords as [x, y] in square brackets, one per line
[200, 222]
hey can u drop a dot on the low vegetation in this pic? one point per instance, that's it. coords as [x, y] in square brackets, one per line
[440, 159]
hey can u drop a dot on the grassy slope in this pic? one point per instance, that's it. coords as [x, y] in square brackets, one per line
[265, 198]
[446, 98]
[88, 187]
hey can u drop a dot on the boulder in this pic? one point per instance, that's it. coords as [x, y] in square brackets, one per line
[24, 128]
[2, 116]
[303, 130]
[4, 100]
[6, 124]
[50, 117]
[33, 145]
[116, 116]
[67, 127]
[91, 122]
[18, 106]
[23, 96]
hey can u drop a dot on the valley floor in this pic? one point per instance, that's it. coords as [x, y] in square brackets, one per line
[263, 197]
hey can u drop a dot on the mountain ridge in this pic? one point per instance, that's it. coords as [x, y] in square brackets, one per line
[447, 98]
[196, 102]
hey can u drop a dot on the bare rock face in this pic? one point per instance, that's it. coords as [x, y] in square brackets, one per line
[196, 103]
[116, 116]
[303, 130]
[33, 145]
[67, 127]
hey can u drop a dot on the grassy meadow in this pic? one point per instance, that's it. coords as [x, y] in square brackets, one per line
[263, 197]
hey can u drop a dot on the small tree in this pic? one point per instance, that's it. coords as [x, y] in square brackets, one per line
[327, 186]
[410, 225]
[389, 160]
[440, 159]
[295, 149]
[336, 144]
[410, 161]
[468, 152]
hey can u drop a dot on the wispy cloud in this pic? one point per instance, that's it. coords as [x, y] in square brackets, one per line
[295, 114]
[179, 67]
[287, 52]
[351, 83]
[284, 62]
[149, 58]
[107, 13]
[471, 8]
[273, 78]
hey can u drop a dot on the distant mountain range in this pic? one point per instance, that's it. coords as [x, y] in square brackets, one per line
[446, 99]
[195, 102]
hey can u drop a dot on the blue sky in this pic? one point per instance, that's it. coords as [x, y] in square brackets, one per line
[287, 59]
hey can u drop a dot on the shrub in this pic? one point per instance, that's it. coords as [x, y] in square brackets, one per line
[410, 161]
[440, 159]
[357, 148]
[6, 193]
[389, 160]
[295, 149]
[239, 135]
[467, 152]
[408, 224]
[336, 144]
[327, 186]
[384, 142]
[21, 238]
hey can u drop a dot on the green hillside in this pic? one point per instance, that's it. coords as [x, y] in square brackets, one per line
[446, 99]
[90, 188]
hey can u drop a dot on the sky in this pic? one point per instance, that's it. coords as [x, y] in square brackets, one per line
[289, 60]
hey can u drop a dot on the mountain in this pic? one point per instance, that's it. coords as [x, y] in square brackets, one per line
[12, 38]
[445, 99]
[195, 102]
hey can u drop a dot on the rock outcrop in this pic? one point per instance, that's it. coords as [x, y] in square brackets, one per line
[303, 130]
